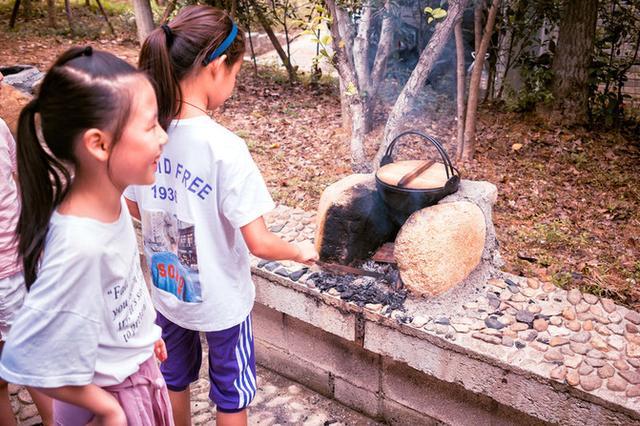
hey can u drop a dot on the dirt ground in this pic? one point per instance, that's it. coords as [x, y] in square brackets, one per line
[569, 202]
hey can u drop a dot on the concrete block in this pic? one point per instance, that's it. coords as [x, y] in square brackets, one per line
[268, 325]
[294, 368]
[359, 399]
[481, 375]
[446, 402]
[343, 358]
[418, 353]
[396, 414]
[304, 307]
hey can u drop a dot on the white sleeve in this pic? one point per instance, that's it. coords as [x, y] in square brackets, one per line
[53, 341]
[244, 194]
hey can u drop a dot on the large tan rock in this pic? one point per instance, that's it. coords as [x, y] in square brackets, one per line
[352, 220]
[439, 246]
[11, 102]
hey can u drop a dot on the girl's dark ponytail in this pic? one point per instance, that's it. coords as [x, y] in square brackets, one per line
[84, 89]
[173, 51]
[43, 183]
[156, 62]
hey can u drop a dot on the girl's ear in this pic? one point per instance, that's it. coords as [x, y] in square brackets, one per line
[217, 64]
[97, 143]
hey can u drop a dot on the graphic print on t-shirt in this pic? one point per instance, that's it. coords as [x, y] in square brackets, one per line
[170, 249]
[125, 300]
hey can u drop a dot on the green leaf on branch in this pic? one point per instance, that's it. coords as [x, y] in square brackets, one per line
[433, 14]
[439, 13]
[351, 89]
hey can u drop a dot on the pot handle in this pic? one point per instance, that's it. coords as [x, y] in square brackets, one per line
[448, 166]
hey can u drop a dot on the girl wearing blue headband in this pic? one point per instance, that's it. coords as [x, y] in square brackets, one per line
[204, 215]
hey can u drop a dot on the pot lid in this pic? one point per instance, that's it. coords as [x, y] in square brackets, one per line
[433, 177]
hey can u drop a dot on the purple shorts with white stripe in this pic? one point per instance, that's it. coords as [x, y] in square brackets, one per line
[232, 363]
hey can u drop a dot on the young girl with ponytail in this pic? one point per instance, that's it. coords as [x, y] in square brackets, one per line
[85, 335]
[204, 214]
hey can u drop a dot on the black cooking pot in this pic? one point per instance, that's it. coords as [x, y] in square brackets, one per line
[401, 201]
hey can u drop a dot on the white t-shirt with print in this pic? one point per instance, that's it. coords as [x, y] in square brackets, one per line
[88, 317]
[207, 187]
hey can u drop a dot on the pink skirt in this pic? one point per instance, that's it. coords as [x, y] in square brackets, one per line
[143, 396]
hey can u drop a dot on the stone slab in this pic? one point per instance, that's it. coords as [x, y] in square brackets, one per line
[308, 309]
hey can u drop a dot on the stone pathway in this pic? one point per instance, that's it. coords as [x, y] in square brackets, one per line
[279, 401]
[303, 52]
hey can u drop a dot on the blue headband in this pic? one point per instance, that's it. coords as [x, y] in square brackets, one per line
[224, 45]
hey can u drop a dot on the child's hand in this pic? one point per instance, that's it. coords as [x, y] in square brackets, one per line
[160, 349]
[307, 253]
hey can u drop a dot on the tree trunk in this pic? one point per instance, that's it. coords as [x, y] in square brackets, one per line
[344, 107]
[144, 19]
[168, 10]
[572, 60]
[361, 45]
[359, 162]
[477, 24]
[26, 8]
[253, 52]
[460, 79]
[51, 12]
[286, 60]
[416, 81]
[234, 8]
[505, 47]
[474, 85]
[376, 76]
[359, 82]
[350, 99]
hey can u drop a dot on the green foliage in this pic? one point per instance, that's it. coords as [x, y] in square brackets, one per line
[313, 24]
[87, 20]
[536, 75]
[530, 24]
[617, 43]
[617, 47]
[434, 14]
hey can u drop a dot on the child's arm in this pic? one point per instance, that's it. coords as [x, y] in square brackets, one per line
[95, 399]
[133, 208]
[266, 245]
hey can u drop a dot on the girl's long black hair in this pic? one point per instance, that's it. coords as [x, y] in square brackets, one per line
[82, 90]
[174, 51]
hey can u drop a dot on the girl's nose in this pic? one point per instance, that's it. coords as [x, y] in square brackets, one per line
[164, 138]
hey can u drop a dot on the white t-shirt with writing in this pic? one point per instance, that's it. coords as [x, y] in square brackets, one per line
[207, 187]
[88, 317]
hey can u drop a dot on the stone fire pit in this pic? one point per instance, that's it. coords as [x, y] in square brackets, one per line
[495, 349]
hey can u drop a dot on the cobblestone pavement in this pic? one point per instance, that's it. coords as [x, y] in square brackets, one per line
[279, 401]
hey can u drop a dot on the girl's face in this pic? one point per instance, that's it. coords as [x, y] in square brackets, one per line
[134, 158]
[224, 80]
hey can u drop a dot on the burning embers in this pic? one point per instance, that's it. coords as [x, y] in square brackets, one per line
[363, 290]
